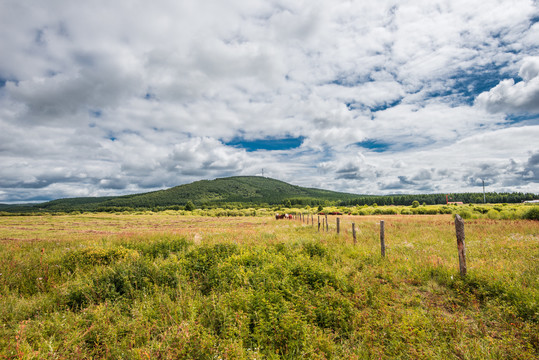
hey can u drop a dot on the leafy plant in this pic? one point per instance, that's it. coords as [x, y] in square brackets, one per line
[532, 214]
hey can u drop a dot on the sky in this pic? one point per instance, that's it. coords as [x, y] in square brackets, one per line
[368, 97]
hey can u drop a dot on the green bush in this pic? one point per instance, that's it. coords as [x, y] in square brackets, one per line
[465, 214]
[445, 210]
[162, 247]
[481, 209]
[94, 256]
[384, 211]
[493, 214]
[190, 206]
[532, 214]
[314, 249]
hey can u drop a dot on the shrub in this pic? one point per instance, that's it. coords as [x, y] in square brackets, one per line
[465, 214]
[507, 215]
[532, 214]
[190, 206]
[314, 249]
[493, 214]
[162, 247]
[445, 210]
[92, 256]
[481, 209]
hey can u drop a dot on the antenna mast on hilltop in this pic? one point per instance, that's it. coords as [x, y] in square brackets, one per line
[262, 172]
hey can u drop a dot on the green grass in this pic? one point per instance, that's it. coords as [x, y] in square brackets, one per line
[159, 286]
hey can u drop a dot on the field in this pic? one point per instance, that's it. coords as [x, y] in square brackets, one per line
[163, 286]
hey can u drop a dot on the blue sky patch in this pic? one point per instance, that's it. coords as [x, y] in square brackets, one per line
[95, 113]
[385, 106]
[4, 81]
[267, 143]
[374, 145]
[469, 84]
[351, 80]
[515, 119]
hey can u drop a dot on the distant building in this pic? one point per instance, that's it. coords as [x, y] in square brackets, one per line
[531, 201]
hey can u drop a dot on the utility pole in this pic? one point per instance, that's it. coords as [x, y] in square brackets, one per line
[262, 172]
[484, 196]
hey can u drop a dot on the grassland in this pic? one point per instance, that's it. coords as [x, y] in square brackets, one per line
[163, 286]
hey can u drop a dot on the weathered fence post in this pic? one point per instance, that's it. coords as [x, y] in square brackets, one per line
[338, 225]
[382, 238]
[354, 232]
[459, 227]
[327, 225]
[318, 223]
[312, 220]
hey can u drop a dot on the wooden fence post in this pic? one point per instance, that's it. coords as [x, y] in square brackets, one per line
[327, 225]
[382, 238]
[338, 225]
[461, 246]
[354, 232]
[318, 223]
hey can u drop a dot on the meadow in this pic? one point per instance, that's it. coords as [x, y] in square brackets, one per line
[171, 286]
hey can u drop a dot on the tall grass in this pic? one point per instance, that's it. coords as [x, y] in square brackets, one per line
[159, 286]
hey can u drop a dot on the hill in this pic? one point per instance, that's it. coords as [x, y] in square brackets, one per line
[237, 189]
[248, 191]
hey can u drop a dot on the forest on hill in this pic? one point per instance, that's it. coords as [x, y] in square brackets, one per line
[251, 191]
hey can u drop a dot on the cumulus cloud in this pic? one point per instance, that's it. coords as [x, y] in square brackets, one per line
[511, 96]
[101, 98]
[200, 155]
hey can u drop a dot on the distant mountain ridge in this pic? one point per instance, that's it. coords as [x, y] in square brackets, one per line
[236, 189]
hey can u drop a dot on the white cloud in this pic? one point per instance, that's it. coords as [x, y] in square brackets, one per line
[509, 96]
[109, 98]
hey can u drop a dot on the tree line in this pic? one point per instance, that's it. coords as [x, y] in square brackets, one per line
[436, 199]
